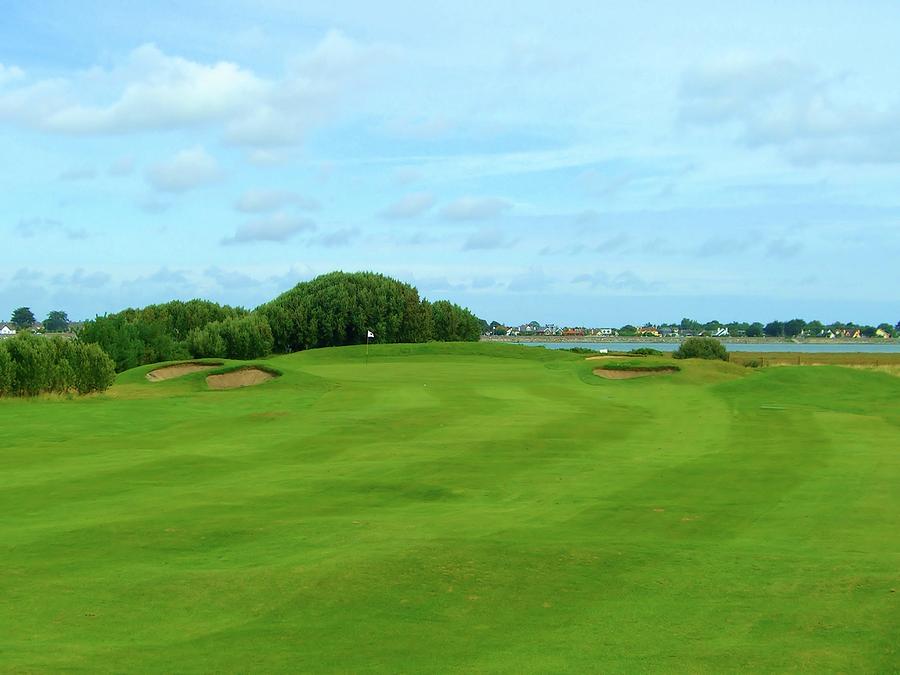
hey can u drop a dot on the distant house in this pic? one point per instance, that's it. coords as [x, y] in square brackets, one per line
[721, 332]
[880, 332]
[7, 329]
[648, 331]
[573, 332]
[605, 331]
[667, 331]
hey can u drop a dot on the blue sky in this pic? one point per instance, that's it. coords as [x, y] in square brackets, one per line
[578, 163]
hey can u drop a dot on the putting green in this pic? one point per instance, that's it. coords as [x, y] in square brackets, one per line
[455, 508]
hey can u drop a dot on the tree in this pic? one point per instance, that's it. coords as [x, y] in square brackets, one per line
[245, 337]
[22, 318]
[628, 330]
[339, 308]
[701, 348]
[6, 371]
[56, 322]
[31, 365]
[452, 323]
[690, 324]
[794, 327]
[134, 337]
[815, 328]
[755, 329]
[774, 329]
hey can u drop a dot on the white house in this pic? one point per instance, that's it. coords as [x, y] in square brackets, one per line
[721, 332]
[7, 329]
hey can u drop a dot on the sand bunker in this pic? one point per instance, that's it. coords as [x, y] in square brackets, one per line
[610, 374]
[245, 377]
[179, 370]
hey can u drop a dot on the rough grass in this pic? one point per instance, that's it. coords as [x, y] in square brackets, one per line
[456, 508]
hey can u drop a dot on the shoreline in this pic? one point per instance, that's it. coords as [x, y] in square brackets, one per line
[600, 339]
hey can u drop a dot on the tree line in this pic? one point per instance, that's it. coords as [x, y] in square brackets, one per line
[331, 310]
[31, 365]
[134, 337]
[23, 318]
[786, 329]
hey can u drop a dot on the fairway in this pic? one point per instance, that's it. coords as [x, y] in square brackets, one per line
[455, 508]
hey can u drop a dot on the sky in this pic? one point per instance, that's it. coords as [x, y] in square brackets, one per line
[580, 163]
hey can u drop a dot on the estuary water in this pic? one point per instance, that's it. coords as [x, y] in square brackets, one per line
[817, 347]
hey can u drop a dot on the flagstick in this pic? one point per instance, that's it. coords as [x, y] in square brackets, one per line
[367, 347]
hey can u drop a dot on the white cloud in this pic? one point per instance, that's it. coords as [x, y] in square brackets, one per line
[262, 201]
[475, 208]
[81, 279]
[187, 170]
[10, 74]
[32, 227]
[339, 238]
[231, 278]
[161, 277]
[783, 248]
[626, 281]
[151, 90]
[278, 227]
[532, 281]
[793, 107]
[486, 239]
[410, 206]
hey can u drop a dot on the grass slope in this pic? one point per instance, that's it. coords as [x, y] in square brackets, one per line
[464, 508]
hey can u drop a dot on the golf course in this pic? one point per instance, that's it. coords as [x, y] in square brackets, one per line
[455, 507]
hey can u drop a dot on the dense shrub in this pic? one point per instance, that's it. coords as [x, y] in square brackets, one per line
[6, 371]
[645, 351]
[134, 337]
[331, 310]
[581, 350]
[31, 365]
[701, 348]
[338, 308]
[452, 323]
[246, 337]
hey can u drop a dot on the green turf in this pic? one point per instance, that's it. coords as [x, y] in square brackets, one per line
[456, 508]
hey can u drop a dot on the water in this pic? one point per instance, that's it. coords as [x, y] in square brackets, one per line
[818, 347]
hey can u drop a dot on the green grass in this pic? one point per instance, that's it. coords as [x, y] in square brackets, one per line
[456, 508]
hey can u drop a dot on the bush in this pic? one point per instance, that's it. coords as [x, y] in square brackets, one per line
[31, 365]
[339, 308]
[645, 351]
[134, 337]
[246, 337]
[701, 348]
[452, 323]
[6, 371]
[581, 350]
